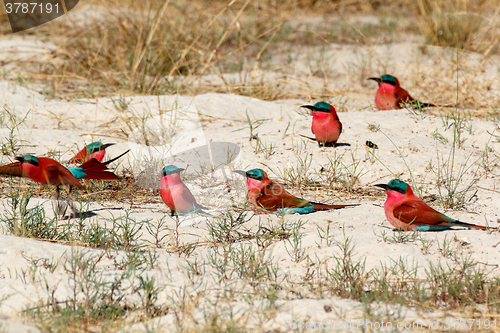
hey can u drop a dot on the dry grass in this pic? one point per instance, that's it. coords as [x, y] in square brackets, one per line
[249, 48]
[241, 47]
[468, 25]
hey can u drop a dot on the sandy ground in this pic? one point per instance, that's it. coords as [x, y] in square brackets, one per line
[407, 147]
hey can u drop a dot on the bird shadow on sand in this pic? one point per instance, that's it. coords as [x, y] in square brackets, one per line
[88, 214]
[334, 144]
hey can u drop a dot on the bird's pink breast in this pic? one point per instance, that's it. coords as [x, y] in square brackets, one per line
[34, 172]
[98, 155]
[394, 199]
[254, 183]
[385, 97]
[326, 127]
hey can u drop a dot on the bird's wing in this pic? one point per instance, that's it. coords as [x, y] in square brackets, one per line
[188, 196]
[79, 157]
[97, 170]
[417, 212]
[93, 165]
[58, 175]
[275, 196]
[12, 169]
[402, 97]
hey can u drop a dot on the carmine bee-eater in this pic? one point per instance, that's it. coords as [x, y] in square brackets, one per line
[95, 150]
[405, 211]
[390, 95]
[175, 194]
[326, 125]
[47, 171]
[266, 196]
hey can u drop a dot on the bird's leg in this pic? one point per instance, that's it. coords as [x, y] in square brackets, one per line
[174, 213]
[71, 200]
[58, 209]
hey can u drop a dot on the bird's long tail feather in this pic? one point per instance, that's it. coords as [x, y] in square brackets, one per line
[468, 225]
[114, 159]
[427, 105]
[99, 170]
[307, 137]
[319, 206]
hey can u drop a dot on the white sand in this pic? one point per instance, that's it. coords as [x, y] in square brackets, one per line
[188, 122]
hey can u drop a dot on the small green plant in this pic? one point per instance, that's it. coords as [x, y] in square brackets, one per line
[253, 125]
[426, 245]
[445, 249]
[439, 137]
[416, 109]
[263, 148]
[296, 252]
[11, 145]
[97, 297]
[300, 175]
[31, 222]
[398, 236]
[227, 229]
[337, 174]
[325, 234]
[158, 231]
[148, 290]
[348, 277]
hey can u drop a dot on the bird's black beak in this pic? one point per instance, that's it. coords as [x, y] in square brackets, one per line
[310, 107]
[376, 79]
[384, 186]
[240, 172]
[107, 145]
[180, 169]
[19, 158]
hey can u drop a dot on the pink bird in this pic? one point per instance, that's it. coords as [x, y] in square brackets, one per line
[47, 171]
[390, 95]
[405, 211]
[326, 125]
[265, 196]
[175, 194]
[95, 150]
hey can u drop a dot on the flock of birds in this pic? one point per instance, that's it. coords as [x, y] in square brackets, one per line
[403, 209]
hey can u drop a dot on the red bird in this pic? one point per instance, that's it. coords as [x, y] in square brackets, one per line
[326, 124]
[390, 95]
[47, 171]
[175, 194]
[266, 196]
[95, 150]
[405, 211]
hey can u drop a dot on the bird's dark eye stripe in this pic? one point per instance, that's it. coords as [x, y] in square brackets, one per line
[398, 189]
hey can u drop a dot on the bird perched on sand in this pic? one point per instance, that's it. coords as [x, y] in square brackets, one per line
[405, 211]
[326, 124]
[95, 150]
[175, 193]
[390, 95]
[264, 196]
